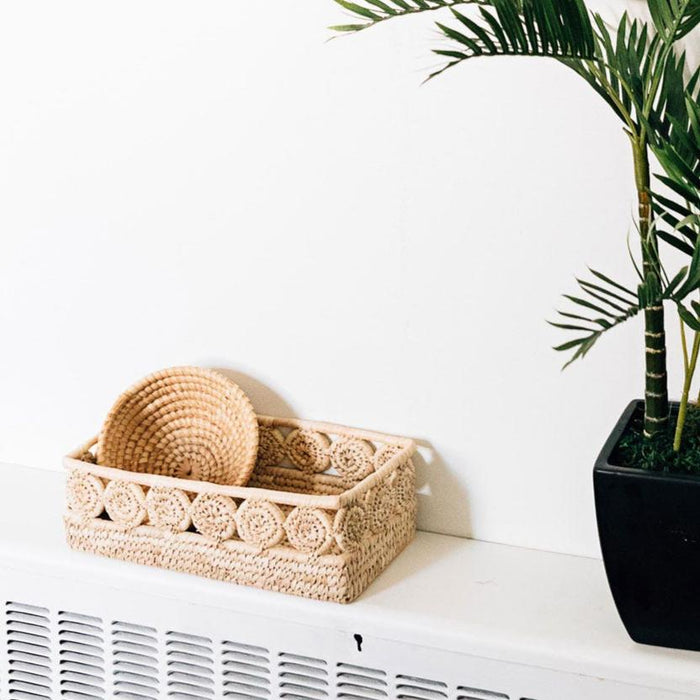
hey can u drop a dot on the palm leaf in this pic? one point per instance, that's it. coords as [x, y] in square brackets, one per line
[552, 28]
[623, 71]
[674, 19]
[599, 307]
[604, 304]
[679, 156]
[371, 12]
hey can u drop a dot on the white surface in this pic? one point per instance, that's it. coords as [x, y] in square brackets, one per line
[213, 183]
[518, 606]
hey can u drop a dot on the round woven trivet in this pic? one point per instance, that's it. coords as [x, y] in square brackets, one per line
[185, 422]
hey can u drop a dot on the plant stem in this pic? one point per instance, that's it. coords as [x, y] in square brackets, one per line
[683, 408]
[684, 346]
[656, 384]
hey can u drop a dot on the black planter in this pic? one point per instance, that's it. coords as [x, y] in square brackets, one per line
[649, 527]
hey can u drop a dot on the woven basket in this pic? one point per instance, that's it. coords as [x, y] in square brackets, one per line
[324, 512]
[184, 422]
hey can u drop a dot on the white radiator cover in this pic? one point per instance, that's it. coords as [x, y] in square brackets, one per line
[450, 619]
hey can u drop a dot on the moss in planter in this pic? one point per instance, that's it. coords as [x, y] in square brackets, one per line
[656, 454]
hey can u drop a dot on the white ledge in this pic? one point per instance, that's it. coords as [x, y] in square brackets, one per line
[522, 606]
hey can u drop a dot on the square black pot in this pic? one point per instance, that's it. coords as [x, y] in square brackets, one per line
[649, 528]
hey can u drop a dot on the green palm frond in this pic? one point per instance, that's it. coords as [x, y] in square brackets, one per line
[679, 156]
[371, 12]
[552, 28]
[626, 64]
[671, 114]
[602, 304]
[674, 19]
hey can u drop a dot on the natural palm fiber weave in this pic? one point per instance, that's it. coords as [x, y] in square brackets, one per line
[294, 528]
[185, 422]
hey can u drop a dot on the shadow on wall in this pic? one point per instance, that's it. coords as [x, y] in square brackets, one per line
[265, 401]
[435, 482]
[437, 485]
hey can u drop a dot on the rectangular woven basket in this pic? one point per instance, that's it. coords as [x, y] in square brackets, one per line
[326, 510]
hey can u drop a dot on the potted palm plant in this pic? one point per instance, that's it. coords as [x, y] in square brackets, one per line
[647, 478]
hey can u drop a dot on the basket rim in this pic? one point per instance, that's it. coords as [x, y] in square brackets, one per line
[72, 462]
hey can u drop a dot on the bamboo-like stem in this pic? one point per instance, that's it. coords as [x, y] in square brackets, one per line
[656, 380]
[683, 408]
[684, 345]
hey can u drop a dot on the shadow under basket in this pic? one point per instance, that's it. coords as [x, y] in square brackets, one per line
[326, 509]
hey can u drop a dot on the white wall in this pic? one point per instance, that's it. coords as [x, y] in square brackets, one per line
[213, 183]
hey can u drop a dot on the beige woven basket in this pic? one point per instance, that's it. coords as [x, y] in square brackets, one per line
[324, 512]
[185, 422]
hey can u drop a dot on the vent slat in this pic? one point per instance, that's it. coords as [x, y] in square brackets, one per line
[302, 659]
[246, 656]
[80, 626]
[131, 627]
[36, 649]
[93, 671]
[253, 691]
[289, 667]
[421, 681]
[192, 659]
[246, 677]
[416, 688]
[27, 667]
[82, 687]
[87, 638]
[192, 688]
[28, 640]
[39, 619]
[465, 693]
[361, 680]
[29, 686]
[188, 675]
[190, 666]
[135, 661]
[237, 646]
[246, 671]
[135, 678]
[132, 636]
[28, 627]
[303, 679]
[77, 656]
[361, 691]
[130, 657]
[360, 683]
[81, 664]
[302, 676]
[33, 679]
[19, 656]
[301, 693]
[82, 676]
[361, 670]
[243, 667]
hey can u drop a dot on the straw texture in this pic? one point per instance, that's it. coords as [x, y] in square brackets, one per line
[185, 422]
[292, 529]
